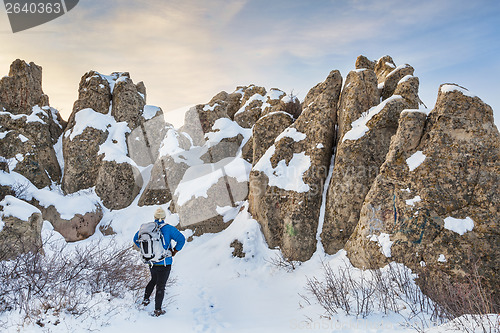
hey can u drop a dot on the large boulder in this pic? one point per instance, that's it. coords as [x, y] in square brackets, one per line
[20, 228]
[118, 184]
[77, 228]
[359, 156]
[29, 127]
[436, 200]
[286, 184]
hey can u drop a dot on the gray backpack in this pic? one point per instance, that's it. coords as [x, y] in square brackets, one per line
[151, 242]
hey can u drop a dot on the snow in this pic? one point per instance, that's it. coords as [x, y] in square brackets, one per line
[80, 202]
[446, 88]
[287, 177]
[23, 138]
[320, 145]
[198, 179]
[254, 97]
[212, 290]
[210, 108]
[150, 111]
[421, 109]
[274, 112]
[359, 127]
[405, 78]
[4, 134]
[115, 146]
[395, 69]
[441, 258]
[226, 128]
[229, 213]
[460, 226]
[15, 207]
[384, 242]
[415, 160]
[89, 118]
[275, 94]
[31, 118]
[411, 202]
[291, 132]
[58, 149]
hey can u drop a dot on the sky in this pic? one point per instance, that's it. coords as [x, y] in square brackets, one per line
[187, 51]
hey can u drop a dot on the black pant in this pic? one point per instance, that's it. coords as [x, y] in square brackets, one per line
[159, 277]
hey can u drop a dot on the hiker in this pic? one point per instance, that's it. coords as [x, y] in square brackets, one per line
[160, 270]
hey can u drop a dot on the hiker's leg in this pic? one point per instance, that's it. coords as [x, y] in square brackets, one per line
[150, 286]
[160, 285]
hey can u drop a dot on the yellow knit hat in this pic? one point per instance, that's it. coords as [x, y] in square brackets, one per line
[160, 214]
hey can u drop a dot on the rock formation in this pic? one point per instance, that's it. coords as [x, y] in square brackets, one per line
[110, 135]
[361, 151]
[29, 127]
[19, 234]
[286, 184]
[435, 202]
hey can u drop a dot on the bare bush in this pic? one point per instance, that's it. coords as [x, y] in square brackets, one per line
[392, 289]
[63, 279]
[467, 303]
[281, 262]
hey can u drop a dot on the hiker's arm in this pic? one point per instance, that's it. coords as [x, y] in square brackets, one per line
[179, 239]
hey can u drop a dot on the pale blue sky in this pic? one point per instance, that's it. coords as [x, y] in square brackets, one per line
[187, 51]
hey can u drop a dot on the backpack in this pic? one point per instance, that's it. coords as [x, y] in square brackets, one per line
[151, 242]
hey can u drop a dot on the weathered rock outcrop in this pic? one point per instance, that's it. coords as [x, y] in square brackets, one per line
[19, 234]
[286, 184]
[29, 127]
[265, 131]
[110, 133]
[360, 93]
[360, 154]
[436, 200]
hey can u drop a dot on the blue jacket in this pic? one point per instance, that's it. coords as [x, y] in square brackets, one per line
[169, 233]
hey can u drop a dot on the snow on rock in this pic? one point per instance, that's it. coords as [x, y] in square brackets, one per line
[460, 226]
[81, 202]
[384, 242]
[415, 160]
[198, 179]
[229, 213]
[411, 202]
[226, 128]
[421, 109]
[291, 132]
[446, 88]
[150, 111]
[18, 208]
[115, 146]
[89, 118]
[285, 176]
[441, 258]
[359, 127]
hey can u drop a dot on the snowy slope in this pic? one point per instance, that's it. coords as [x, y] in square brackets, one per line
[216, 292]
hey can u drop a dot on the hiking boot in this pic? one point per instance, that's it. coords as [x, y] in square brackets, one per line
[158, 313]
[146, 301]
